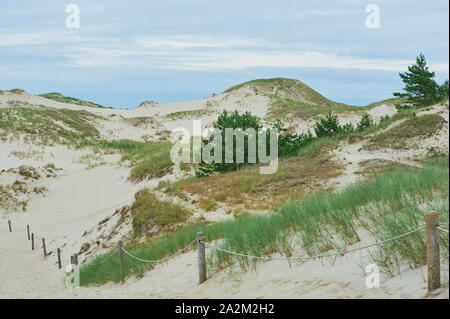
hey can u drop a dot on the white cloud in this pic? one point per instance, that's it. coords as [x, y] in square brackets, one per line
[47, 37]
[182, 58]
[184, 42]
[192, 52]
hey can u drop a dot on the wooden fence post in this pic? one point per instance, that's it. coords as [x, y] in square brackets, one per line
[120, 251]
[433, 256]
[201, 257]
[44, 248]
[9, 225]
[28, 232]
[59, 257]
[32, 241]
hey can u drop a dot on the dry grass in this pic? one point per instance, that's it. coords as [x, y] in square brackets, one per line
[289, 109]
[247, 188]
[71, 100]
[399, 136]
[189, 114]
[376, 166]
[149, 211]
[46, 126]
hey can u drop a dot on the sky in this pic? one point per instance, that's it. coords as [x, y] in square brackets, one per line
[125, 52]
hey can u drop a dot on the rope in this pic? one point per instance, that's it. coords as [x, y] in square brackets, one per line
[159, 260]
[101, 262]
[317, 256]
[443, 229]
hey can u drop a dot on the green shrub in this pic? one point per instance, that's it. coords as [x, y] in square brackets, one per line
[288, 143]
[328, 126]
[365, 123]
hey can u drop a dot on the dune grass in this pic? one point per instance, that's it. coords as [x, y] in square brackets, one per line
[46, 125]
[71, 100]
[292, 89]
[414, 126]
[149, 211]
[386, 205]
[288, 109]
[189, 114]
[148, 159]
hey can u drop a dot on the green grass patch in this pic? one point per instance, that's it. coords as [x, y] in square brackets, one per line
[148, 159]
[148, 211]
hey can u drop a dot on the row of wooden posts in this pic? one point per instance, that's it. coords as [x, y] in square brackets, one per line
[30, 237]
[433, 252]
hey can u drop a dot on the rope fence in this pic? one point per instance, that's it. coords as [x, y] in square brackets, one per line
[433, 256]
[339, 252]
[432, 234]
[162, 259]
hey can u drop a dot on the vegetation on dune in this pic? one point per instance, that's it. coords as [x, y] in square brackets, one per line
[148, 211]
[292, 99]
[385, 206]
[391, 101]
[414, 126]
[71, 100]
[189, 114]
[289, 144]
[287, 89]
[148, 159]
[247, 188]
[288, 109]
[303, 164]
[16, 91]
[371, 167]
[46, 125]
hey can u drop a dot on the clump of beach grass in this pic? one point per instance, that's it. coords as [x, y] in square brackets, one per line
[147, 159]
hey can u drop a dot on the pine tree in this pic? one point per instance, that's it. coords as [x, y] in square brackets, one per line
[420, 86]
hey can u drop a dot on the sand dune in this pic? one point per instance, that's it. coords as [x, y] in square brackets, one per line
[79, 199]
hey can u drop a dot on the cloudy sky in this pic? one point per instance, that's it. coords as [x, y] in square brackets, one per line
[125, 52]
